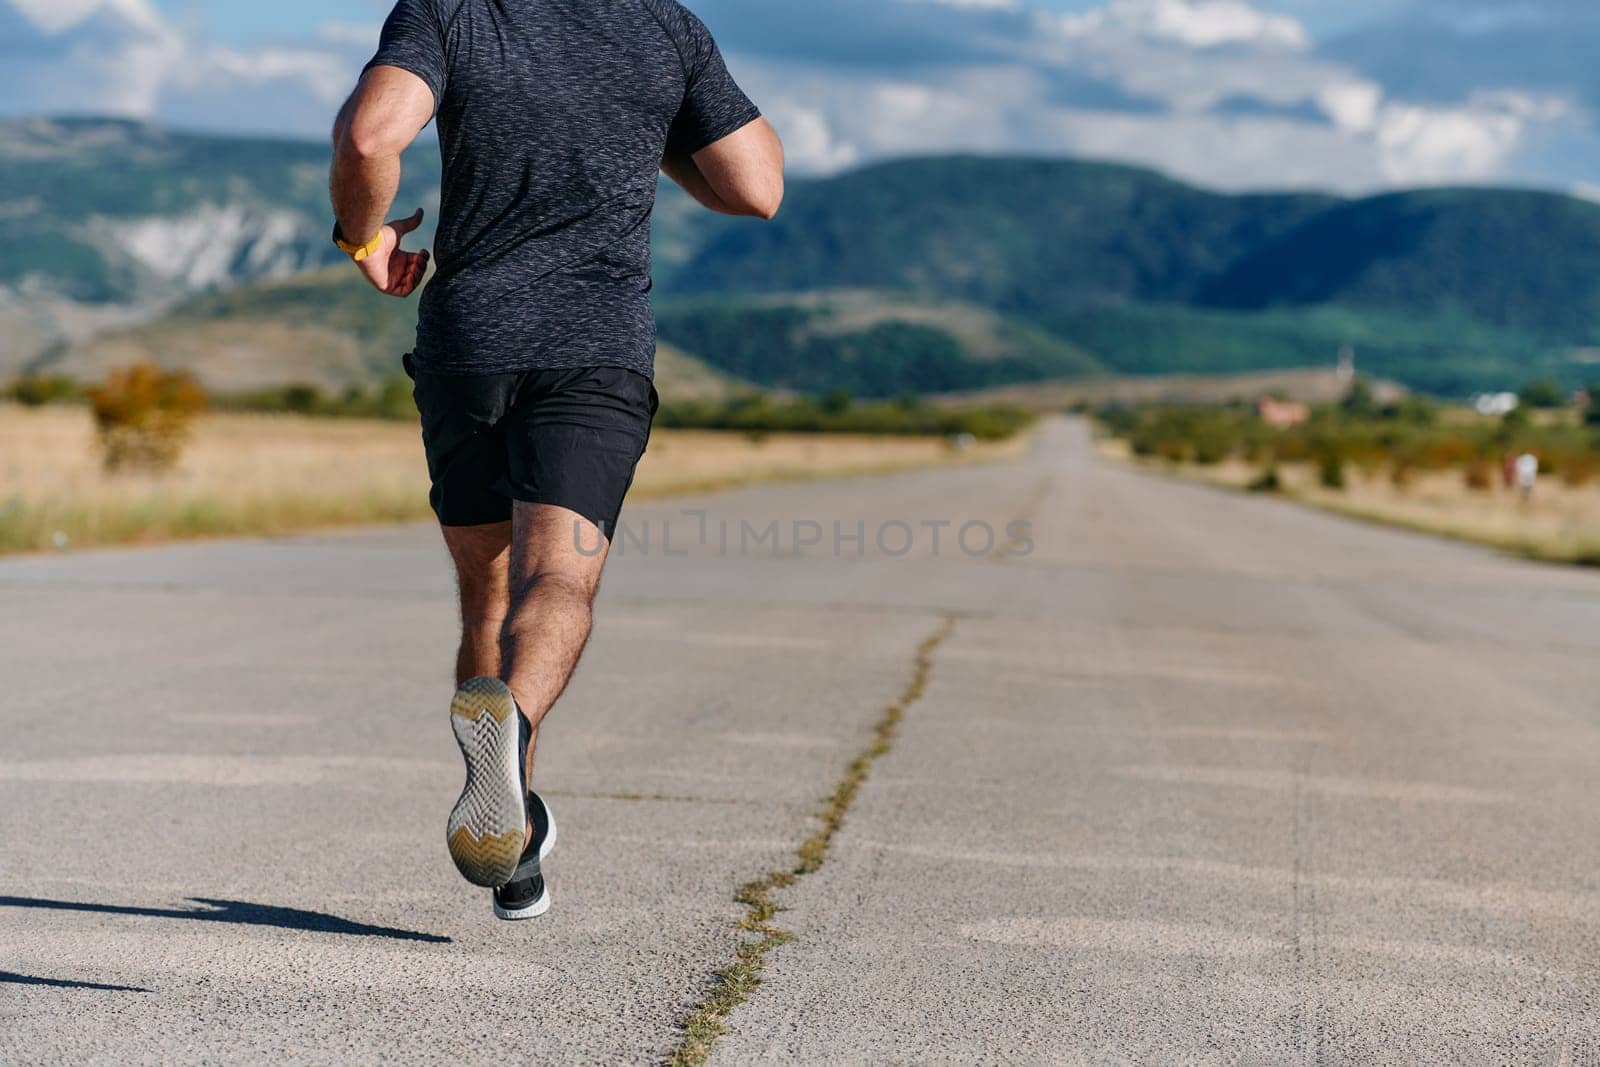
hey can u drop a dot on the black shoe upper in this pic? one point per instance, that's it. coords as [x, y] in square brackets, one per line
[522, 893]
[527, 882]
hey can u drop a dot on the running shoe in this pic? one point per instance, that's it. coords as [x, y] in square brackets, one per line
[526, 896]
[488, 827]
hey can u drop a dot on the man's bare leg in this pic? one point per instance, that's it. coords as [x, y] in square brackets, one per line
[555, 563]
[482, 556]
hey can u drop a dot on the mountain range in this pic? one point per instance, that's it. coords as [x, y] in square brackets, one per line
[917, 275]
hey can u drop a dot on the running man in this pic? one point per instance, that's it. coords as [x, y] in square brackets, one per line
[536, 340]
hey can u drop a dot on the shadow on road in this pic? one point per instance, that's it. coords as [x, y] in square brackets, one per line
[63, 983]
[238, 912]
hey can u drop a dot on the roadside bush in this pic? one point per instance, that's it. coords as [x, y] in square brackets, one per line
[1211, 449]
[1172, 451]
[1543, 393]
[1446, 452]
[395, 402]
[144, 416]
[1399, 444]
[1416, 411]
[1578, 471]
[1360, 402]
[302, 399]
[1480, 476]
[837, 401]
[37, 390]
[760, 413]
[1330, 471]
[1267, 482]
[1513, 422]
[1591, 414]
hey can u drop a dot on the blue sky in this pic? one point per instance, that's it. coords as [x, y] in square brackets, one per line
[246, 23]
[1351, 95]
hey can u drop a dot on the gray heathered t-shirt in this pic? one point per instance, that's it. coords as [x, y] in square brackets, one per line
[553, 117]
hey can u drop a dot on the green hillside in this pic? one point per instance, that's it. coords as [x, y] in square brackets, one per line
[103, 210]
[873, 344]
[324, 328]
[938, 274]
[1445, 354]
[1520, 260]
[1016, 235]
[1447, 290]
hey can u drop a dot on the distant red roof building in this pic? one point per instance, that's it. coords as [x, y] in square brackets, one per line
[1282, 414]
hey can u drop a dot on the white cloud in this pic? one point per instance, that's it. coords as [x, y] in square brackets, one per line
[327, 77]
[57, 16]
[1419, 144]
[1226, 92]
[991, 5]
[1589, 191]
[350, 34]
[1351, 105]
[809, 140]
[120, 57]
[1193, 23]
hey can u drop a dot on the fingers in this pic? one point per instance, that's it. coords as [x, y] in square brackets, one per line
[406, 271]
[402, 227]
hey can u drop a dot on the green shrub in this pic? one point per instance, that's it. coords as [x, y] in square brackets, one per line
[1330, 471]
[760, 413]
[394, 400]
[302, 399]
[1211, 449]
[1360, 402]
[1173, 451]
[1446, 452]
[1268, 482]
[1400, 443]
[1543, 393]
[37, 390]
[1416, 411]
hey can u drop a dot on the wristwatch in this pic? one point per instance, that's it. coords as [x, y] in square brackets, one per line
[357, 252]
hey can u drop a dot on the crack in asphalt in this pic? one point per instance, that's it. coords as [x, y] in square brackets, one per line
[708, 1020]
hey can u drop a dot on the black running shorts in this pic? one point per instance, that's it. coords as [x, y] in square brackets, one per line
[571, 438]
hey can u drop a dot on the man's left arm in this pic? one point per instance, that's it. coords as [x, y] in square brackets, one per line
[379, 122]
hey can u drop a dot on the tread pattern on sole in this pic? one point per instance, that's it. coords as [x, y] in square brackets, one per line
[487, 828]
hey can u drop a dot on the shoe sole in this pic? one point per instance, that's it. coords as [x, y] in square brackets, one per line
[542, 905]
[488, 827]
[532, 911]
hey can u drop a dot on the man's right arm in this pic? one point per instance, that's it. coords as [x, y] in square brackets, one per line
[742, 174]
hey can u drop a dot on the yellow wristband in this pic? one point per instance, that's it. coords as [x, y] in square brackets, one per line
[359, 252]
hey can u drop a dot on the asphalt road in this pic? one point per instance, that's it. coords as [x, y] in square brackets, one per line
[1199, 778]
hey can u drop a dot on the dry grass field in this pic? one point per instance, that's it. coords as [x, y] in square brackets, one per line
[1559, 523]
[1311, 385]
[271, 474]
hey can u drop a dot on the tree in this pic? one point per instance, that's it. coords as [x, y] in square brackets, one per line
[1543, 393]
[1592, 414]
[144, 414]
[37, 390]
[837, 401]
[1360, 402]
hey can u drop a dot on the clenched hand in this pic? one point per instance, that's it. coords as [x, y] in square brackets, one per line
[390, 269]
